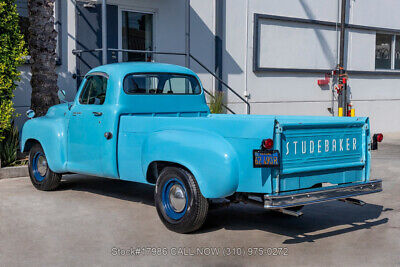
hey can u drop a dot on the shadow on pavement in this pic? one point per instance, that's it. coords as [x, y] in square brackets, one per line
[319, 221]
[130, 191]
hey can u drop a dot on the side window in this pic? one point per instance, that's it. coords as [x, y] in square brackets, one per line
[94, 90]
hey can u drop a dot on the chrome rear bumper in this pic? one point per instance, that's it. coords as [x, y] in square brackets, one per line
[307, 197]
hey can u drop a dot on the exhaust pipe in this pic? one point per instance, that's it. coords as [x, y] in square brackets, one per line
[353, 201]
[291, 212]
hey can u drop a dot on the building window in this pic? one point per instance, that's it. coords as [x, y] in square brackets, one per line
[383, 51]
[397, 53]
[387, 51]
[137, 34]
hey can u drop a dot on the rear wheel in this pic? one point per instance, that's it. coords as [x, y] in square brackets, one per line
[42, 177]
[178, 200]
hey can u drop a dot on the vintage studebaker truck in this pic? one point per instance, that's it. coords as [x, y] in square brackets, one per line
[150, 123]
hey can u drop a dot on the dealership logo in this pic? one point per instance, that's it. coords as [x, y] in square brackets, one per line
[320, 146]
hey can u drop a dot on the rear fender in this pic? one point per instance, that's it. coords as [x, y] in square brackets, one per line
[208, 156]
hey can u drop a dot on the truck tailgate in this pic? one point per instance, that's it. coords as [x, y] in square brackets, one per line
[315, 152]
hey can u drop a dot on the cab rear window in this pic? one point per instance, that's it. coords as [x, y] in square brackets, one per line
[162, 84]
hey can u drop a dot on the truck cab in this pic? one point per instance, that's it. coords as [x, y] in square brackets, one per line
[150, 123]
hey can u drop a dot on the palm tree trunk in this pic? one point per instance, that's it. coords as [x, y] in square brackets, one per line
[42, 49]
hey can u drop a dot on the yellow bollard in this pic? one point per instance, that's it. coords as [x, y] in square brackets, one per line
[353, 112]
[340, 112]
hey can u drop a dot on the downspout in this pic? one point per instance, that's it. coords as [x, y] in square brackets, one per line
[219, 23]
[104, 30]
[342, 97]
[342, 32]
[246, 92]
[187, 33]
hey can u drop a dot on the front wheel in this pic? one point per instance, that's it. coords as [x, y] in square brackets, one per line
[42, 177]
[178, 200]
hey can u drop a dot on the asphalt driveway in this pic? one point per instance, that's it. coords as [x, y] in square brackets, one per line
[93, 221]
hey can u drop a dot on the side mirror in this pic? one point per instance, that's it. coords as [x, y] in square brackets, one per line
[30, 113]
[61, 95]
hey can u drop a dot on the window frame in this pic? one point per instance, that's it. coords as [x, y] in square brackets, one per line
[101, 74]
[171, 73]
[154, 12]
[394, 37]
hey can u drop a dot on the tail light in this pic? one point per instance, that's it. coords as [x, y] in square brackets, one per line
[268, 143]
[377, 138]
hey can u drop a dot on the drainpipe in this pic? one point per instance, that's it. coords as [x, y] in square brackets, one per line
[219, 31]
[342, 101]
[104, 30]
[187, 33]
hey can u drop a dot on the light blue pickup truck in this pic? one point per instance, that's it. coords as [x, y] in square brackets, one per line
[150, 123]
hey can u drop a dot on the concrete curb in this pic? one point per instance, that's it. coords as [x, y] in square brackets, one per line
[14, 172]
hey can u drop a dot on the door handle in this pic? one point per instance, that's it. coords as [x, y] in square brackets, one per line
[97, 114]
[108, 135]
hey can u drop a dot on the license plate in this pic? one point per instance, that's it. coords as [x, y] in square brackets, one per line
[265, 158]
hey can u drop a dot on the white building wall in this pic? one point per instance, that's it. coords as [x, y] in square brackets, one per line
[382, 13]
[280, 93]
[282, 44]
[375, 96]
[296, 45]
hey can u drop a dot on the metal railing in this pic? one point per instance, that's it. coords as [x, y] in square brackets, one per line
[78, 52]
[221, 81]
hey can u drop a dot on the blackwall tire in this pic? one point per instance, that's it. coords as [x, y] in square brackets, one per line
[178, 200]
[41, 176]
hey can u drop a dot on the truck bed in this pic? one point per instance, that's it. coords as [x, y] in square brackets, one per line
[244, 133]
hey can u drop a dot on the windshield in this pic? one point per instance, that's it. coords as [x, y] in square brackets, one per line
[161, 83]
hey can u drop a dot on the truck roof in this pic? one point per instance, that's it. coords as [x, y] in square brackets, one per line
[141, 67]
[149, 103]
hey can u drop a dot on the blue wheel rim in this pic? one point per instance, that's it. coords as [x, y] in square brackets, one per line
[36, 174]
[168, 208]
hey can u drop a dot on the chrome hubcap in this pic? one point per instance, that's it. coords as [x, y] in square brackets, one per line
[177, 198]
[42, 165]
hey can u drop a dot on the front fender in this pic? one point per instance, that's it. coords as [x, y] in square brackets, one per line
[210, 157]
[50, 132]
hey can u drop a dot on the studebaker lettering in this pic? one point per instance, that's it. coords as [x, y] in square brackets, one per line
[150, 123]
[321, 146]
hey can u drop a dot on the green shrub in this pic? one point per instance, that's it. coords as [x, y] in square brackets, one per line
[216, 103]
[8, 146]
[12, 52]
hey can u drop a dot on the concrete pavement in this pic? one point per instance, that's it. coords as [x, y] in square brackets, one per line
[93, 221]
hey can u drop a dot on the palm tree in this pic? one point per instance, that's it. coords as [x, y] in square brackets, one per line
[42, 49]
